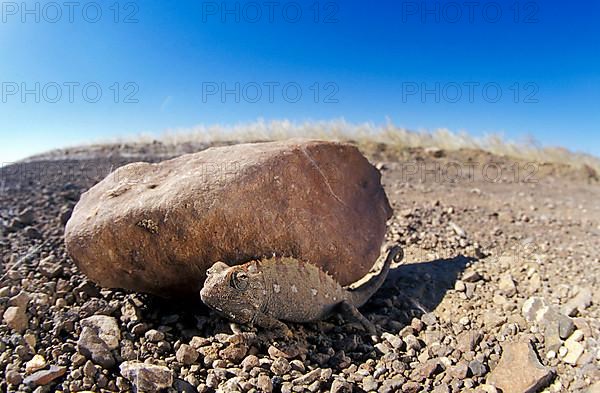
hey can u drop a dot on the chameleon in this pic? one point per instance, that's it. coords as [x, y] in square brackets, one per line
[269, 291]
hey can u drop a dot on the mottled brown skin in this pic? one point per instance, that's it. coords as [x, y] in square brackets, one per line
[278, 289]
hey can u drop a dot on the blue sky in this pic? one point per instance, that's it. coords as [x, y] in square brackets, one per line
[516, 67]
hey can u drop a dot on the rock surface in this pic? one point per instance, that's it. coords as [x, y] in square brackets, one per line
[574, 351]
[106, 327]
[99, 336]
[147, 377]
[519, 370]
[579, 303]
[186, 354]
[44, 377]
[158, 227]
[16, 318]
[36, 363]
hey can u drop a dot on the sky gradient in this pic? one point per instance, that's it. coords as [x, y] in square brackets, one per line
[98, 70]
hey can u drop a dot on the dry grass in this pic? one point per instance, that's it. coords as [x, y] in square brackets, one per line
[368, 135]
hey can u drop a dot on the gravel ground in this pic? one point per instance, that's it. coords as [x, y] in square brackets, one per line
[497, 291]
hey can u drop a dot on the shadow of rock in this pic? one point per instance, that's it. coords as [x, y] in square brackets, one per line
[409, 291]
[414, 289]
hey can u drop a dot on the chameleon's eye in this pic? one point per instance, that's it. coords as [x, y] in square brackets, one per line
[239, 281]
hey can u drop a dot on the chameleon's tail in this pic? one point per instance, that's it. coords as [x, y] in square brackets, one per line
[362, 294]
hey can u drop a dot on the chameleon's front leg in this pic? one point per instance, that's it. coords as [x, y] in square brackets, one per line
[350, 310]
[268, 322]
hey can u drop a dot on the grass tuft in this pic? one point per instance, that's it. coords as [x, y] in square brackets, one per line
[368, 135]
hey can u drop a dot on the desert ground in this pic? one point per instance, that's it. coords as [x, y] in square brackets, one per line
[498, 289]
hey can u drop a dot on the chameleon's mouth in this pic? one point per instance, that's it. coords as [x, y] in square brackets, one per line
[214, 298]
[213, 305]
[211, 302]
[207, 291]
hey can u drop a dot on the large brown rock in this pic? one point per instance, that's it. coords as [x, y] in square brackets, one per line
[157, 227]
[519, 370]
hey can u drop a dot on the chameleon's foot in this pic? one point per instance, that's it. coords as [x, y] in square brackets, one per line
[351, 311]
[268, 322]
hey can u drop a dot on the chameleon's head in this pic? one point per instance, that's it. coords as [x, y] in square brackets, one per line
[237, 292]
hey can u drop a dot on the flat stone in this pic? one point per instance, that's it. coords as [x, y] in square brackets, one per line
[519, 370]
[458, 230]
[264, 383]
[411, 387]
[491, 319]
[234, 353]
[280, 366]
[308, 378]
[317, 201]
[384, 348]
[477, 368]
[459, 371]
[94, 348]
[182, 386]
[250, 362]
[468, 340]
[574, 351]
[298, 365]
[485, 388]
[442, 388]
[196, 342]
[531, 307]
[469, 289]
[552, 339]
[507, 286]
[147, 377]
[429, 319]
[392, 385]
[106, 327]
[425, 370]
[471, 276]
[369, 384]
[20, 300]
[154, 335]
[13, 377]
[340, 386]
[44, 377]
[394, 340]
[36, 363]
[16, 318]
[89, 370]
[412, 342]
[275, 353]
[50, 268]
[576, 336]
[580, 302]
[566, 326]
[186, 354]
[554, 322]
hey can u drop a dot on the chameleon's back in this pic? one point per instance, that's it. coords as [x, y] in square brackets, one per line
[298, 291]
